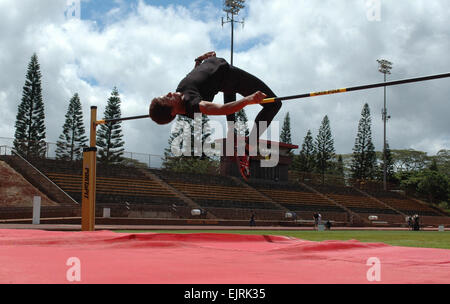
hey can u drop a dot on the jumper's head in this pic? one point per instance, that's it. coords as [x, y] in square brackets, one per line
[164, 109]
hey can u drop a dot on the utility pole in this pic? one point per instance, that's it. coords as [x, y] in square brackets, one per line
[385, 68]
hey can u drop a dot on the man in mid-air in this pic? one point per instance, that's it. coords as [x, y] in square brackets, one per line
[196, 92]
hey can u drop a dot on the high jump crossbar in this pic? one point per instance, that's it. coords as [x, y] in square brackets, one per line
[313, 94]
[105, 121]
[358, 88]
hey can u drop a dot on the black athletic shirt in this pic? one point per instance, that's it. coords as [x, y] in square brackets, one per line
[202, 83]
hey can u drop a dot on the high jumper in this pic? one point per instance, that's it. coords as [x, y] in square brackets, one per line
[196, 92]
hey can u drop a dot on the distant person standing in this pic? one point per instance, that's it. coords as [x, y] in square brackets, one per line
[416, 223]
[328, 225]
[316, 220]
[410, 223]
[252, 220]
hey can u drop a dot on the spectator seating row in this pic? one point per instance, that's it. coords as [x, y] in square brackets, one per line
[223, 194]
[245, 214]
[299, 200]
[410, 207]
[352, 199]
[435, 220]
[312, 208]
[289, 186]
[403, 203]
[115, 190]
[210, 203]
[75, 167]
[201, 179]
[360, 204]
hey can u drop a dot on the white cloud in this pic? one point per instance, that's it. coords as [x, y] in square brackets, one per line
[295, 47]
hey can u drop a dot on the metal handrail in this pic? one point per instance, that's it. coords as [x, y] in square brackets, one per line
[28, 163]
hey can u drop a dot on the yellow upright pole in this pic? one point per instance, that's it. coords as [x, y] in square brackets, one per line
[89, 177]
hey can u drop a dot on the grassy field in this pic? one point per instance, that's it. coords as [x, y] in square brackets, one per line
[426, 239]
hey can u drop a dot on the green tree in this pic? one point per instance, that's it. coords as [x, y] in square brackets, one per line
[179, 142]
[443, 162]
[338, 167]
[434, 185]
[390, 172]
[29, 137]
[241, 126]
[324, 147]
[364, 158]
[73, 138]
[433, 165]
[185, 151]
[409, 160]
[202, 135]
[429, 183]
[285, 136]
[305, 161]
[109, 136]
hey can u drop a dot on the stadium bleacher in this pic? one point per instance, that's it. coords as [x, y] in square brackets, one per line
[403, 203]
[115, 184]
[227, 198]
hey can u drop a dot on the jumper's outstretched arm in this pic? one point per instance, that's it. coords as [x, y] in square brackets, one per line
[210, 108]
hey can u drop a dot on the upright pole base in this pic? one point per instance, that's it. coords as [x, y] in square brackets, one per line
[88, 189]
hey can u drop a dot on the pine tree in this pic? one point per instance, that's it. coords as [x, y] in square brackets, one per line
[180, 144]
[340, 167]
[72, 138]
[324, 146]
[364, 158]
[285, 136]
[29, 138]
[242, 124]
[389, 166]
[305, 161]
[109, 136]
[201, 135]
[185, 152]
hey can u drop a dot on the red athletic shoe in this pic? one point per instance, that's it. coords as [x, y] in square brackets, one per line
[244, 166]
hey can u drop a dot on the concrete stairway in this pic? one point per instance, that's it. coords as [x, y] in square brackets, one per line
[39, 180]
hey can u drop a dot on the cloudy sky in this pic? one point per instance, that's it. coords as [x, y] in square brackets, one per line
[296, 46]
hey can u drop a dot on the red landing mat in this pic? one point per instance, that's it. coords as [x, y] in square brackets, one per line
[30, 256]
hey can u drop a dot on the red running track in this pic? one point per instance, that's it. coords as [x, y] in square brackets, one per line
[31, 256]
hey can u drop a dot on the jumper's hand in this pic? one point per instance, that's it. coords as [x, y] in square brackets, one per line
[256, 98]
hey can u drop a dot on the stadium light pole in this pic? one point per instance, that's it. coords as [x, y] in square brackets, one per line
[385, 67]
[232, 8]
